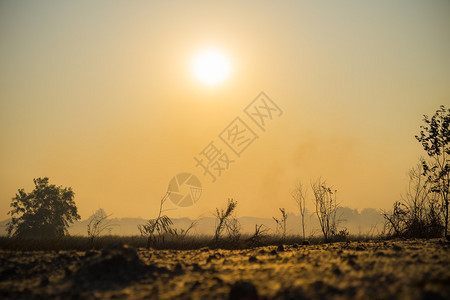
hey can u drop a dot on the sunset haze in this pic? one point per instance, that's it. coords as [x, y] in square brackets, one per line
[101, 96]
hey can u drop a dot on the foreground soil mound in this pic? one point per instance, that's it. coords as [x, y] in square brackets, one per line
[417, 269]
[113, 267]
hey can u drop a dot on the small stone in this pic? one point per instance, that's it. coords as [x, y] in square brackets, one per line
[336, 271]
[396, 247]
[195, 285]
[252, 259]
[243, 290]
[196, 267]
[90, 254]
[178, 268]
[354, 264]
[210, 258]
[44, 281]
[280, 248]
[116, 264]
[218, 279]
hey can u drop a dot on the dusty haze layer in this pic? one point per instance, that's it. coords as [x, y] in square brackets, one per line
[100, 97]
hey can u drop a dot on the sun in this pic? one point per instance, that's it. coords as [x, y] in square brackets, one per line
[211, 67]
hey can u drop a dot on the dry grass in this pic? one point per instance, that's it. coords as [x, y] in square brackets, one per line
[83, 243]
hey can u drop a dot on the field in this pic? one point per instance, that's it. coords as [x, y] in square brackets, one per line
[392, 269]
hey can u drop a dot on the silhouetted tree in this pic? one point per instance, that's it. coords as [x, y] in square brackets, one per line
[45, 212]
[299, 195]
[435, 140]
[326, 208]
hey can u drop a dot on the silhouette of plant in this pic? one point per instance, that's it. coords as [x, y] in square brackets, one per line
[341, 236]
[224, 219]
[233, 228]
[418, 212]
[98, 223]
[156, 229]
[435, 140]
[326, 208]
[260, 233]
[281, 223]
[44, 212]
[299, 195]
[395, 219]
[181, 233]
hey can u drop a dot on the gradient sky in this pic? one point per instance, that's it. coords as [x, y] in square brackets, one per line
[100, 96]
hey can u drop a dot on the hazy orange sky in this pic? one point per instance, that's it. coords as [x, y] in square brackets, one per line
[100, 96]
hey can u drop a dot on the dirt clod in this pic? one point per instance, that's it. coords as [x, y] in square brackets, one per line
[252, 258]
[243, 290]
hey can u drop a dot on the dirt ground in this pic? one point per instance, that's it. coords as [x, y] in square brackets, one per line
[417, 269]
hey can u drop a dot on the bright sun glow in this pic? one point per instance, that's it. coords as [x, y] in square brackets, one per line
[211, 67]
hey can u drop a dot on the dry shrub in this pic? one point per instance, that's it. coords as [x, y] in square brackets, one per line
[418, 213]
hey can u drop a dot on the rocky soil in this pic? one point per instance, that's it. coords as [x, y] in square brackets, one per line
[418, 269]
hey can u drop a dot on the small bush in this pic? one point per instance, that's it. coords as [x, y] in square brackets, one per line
[341, 236]
[417, 215]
